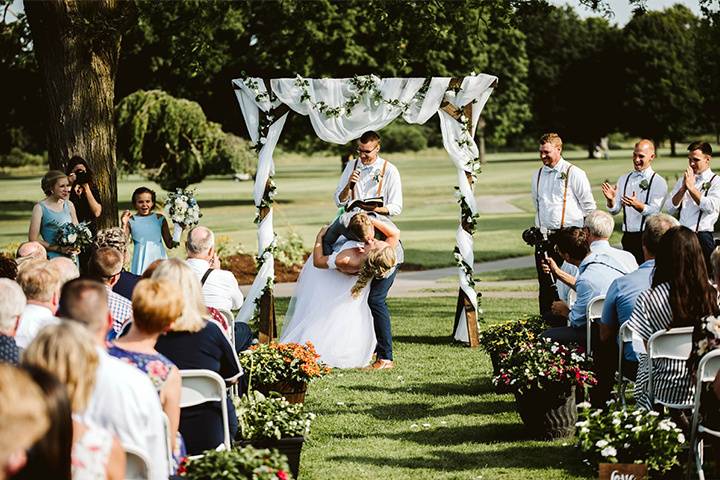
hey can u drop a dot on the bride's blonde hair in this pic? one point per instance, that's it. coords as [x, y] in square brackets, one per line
[377, 264]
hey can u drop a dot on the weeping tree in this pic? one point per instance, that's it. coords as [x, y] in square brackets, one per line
[171, 142]
[77, 44]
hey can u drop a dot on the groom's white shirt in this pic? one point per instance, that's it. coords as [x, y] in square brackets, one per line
[370, 177]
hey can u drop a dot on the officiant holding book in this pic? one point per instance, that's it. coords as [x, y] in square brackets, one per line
[373, 184]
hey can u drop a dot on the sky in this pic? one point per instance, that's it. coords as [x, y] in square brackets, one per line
[623, 9]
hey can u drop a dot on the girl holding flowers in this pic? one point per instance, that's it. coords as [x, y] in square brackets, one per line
[51, 213]
[148, 230]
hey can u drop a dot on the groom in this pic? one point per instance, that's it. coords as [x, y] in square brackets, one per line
[367, 177]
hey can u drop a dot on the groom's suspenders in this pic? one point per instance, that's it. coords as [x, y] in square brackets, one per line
[380, 183]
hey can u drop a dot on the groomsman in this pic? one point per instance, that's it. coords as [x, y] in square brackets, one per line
[562, 197]
[369, 177]
[696, 196]
[638, 194]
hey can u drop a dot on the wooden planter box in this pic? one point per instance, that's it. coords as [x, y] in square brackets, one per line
[294, 392]
[291, 447]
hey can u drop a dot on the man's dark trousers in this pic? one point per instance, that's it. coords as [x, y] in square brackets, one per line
[381, 315]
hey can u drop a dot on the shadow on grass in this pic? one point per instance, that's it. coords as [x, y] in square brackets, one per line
[530, 457]
[423, 339]
[489, 433]
[12, 209]
[482, 386]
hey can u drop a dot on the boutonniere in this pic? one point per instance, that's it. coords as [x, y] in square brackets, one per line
[644, 185]
[563, 176]
[706, 186]
[377, 176]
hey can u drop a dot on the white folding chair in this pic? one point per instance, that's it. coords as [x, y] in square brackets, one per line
[168, 440]
[571, 297]
[202, 386]
[673, 344]
[593, 312]
[707, 370]
[624, 336]
[137, 464]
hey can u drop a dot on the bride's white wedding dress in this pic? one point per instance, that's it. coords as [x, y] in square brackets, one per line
[323, 312]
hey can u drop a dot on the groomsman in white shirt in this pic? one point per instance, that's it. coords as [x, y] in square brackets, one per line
[638, 194]
[696, 196]
[562, 197]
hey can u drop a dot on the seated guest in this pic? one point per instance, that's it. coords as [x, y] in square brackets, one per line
[29, 251]
[151, 268]
[66, 268]
[619, 304]
[219, 287]
[24, 418]
[105, 266]
[156, 305]
[596, 271]
[66, 350]
[8, 267]
[12, 304]
[599, 226]
[680, 297]
[115, 238]
[40, 282]
[124, 400]
[195, 342]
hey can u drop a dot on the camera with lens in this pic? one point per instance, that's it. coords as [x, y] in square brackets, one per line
[533, 236]
[544, 245]
[82, 178]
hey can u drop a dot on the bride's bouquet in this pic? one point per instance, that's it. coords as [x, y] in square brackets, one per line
[183, 209]
[78, 237]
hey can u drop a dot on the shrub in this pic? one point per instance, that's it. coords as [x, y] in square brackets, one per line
[238, 464]
[282, 362]
[290, 251]
[271, 417]
[401, 137]
[18, 158]
[503, 337]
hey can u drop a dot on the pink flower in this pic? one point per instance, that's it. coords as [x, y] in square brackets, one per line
[281, 475]
[156, 368]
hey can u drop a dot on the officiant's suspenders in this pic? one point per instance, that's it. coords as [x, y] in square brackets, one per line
[537, 198]
[697, 225]
[647, 198]
[380, 183]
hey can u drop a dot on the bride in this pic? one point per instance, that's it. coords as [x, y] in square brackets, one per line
[330, 307]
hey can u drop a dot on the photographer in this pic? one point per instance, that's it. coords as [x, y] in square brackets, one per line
[562, 197]
[86, 198]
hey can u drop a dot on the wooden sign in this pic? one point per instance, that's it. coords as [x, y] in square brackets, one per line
[623, 471]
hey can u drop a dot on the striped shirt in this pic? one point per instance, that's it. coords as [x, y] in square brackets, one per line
[671, 378]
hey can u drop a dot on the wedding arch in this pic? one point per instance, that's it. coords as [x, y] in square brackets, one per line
[340, 110]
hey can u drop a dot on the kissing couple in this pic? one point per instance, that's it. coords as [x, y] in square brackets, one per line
[339, 302]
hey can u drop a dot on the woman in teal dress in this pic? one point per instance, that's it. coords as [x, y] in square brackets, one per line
[149, 230]
[49, 214]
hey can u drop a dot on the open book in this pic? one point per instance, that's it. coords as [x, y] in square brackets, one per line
[365, 204]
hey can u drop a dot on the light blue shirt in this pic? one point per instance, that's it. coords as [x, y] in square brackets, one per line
[595, 274]
[624, 258]
[621, 297]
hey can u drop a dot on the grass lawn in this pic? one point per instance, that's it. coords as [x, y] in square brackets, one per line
[434, 416]
[304, 200]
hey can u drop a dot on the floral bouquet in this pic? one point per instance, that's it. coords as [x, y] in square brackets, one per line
[78, 237]
[503, 337]
[543, 365]
[184, 211]
[283, 362]
[629, 436]
[238, 463]
[262, 417]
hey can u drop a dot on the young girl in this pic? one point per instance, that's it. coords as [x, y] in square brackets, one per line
[50, 213]
[148, 230]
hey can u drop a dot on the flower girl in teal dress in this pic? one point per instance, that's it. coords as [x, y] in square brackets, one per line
[148, 230]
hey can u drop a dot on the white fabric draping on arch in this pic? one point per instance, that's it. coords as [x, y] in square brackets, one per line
[368, 114]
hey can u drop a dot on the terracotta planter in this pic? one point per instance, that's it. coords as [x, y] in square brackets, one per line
[294, 392]
[291, 447]
[548, 413]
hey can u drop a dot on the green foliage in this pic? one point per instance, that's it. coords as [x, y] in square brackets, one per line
[272, 417]
[289, 251]
[503, 337]
[282, 362]
[619, 435]
[18, 158]
[401, 137]
[238, 464]
[171, 141]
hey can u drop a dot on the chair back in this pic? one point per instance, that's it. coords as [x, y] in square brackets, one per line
[593, 312]
[673, 344]
[624, 335]
[168, 439]
[137, 465]
[707, 370]
[202, 386]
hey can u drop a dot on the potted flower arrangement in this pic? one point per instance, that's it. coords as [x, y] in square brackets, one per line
[273, 422]
[543, 376]
[283, 367]
[616, 435]
[497, 340]
[237, 464]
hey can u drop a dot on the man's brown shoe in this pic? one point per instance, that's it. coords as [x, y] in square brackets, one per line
[382, 364]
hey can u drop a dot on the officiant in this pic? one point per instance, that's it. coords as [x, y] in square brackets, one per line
[369, 176]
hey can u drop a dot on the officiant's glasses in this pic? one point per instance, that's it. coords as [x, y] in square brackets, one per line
[360, 151]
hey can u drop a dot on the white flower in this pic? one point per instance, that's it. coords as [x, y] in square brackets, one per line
[628, 426]
[72, 237]
[426, 425]
[626, 445]
[608, 452]
[702, 345]
[653, 413]
[581, 424]
[601, 443]
[583, 405]
[616, 421]
[713, 325]
[637, 429]
[681, 438]
[584, 430]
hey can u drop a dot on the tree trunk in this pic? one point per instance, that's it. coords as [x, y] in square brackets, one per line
[77, 45]
[591, 150]
[673, 151]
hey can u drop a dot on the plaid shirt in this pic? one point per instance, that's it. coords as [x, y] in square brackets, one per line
[120, 310]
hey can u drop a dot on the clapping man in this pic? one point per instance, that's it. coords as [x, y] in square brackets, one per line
[370, 177]
[638, 194]
[696, 196]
